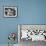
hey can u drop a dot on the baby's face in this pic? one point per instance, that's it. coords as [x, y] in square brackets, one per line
[10, 13]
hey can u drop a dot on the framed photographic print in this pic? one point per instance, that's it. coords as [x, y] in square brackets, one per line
[10, 11]
[32, 32]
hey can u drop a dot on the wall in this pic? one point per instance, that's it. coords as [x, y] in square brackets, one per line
[7, 25]
[29, 12]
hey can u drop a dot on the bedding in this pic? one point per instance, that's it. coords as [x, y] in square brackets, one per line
[37, 37]
[31, 35]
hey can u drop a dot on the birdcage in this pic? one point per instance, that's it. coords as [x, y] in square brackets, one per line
[11, 38]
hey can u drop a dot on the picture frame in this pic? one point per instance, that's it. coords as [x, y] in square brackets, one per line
[10, 11]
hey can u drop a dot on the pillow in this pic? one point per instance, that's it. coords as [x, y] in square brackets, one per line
[24, 34]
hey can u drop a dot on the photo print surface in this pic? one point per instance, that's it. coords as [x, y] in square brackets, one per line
[33, 32]
[10, 11]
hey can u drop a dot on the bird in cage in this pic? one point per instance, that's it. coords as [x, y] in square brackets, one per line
[12, 36]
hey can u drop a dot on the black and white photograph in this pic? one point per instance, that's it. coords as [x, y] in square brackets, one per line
[33, 32]
[29, 34]
[10, 11]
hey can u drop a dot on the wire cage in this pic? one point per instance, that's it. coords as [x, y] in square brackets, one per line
[11, 38]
